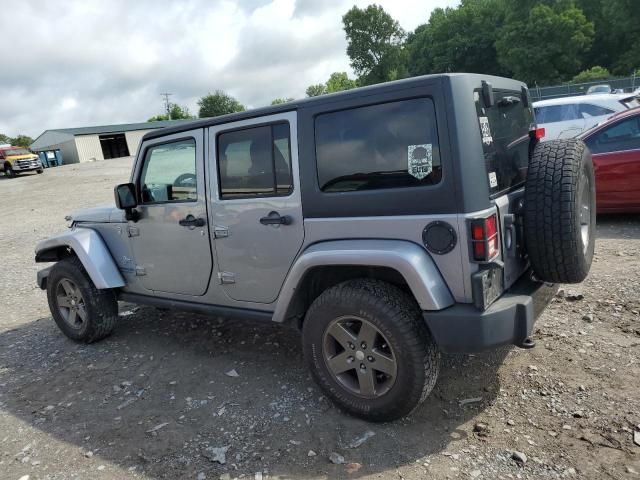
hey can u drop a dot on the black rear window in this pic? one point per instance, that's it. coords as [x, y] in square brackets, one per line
[505, 139]
[389, 145]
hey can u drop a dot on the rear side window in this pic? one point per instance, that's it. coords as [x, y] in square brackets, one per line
[390, 145]
[255, 162]
[505, 130]
[587, 110]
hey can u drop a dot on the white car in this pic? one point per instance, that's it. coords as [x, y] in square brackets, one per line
[569, 116]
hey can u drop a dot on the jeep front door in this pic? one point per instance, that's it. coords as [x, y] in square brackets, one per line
[256, 204]
[170, 240]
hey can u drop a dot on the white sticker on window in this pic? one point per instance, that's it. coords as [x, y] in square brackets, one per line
[493, 180]
[487, 139]
[420, 160]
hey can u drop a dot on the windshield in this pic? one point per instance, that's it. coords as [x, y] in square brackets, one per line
[505, 139]
[17, 151]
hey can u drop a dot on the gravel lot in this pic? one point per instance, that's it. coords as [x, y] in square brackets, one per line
[154, 400]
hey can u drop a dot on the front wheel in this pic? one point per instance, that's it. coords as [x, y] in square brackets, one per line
[80, 310]
[368, 348]
[9, 171]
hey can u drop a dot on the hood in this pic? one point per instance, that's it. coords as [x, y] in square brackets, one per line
[103, 214]
[21, 156]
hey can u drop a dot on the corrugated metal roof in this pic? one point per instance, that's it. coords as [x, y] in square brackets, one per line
[58, 135]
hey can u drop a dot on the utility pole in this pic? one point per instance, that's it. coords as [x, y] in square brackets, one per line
[167, 105]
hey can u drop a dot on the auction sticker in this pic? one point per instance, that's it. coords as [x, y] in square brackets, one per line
[487, 139]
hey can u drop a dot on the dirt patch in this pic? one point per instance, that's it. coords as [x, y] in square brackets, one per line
[159, 398]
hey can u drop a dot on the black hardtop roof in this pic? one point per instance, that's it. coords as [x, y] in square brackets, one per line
[323, 99]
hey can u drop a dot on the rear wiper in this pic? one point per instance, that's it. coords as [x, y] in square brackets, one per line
[508, 101]
[363, 176]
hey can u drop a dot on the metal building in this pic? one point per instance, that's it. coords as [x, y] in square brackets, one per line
[88, 144]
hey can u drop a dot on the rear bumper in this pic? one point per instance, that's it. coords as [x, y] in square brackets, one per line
[462, 328]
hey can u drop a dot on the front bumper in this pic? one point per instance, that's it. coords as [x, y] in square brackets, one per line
[42, 276]
[25, 165]
[462, 328]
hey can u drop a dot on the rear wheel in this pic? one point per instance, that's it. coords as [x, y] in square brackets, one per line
[368, 348]
[80, 310]
[560, 211]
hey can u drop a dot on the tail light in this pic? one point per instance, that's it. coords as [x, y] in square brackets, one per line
[537, 133]
[485, 243]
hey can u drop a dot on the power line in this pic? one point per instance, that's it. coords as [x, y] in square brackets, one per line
[167, 104]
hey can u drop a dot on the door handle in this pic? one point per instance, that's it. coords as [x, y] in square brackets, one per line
[191, 221]
[274, 218]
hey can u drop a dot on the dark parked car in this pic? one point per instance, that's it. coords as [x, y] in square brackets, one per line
[615, 146]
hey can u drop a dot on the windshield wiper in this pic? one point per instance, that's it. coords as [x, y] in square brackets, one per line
[363, 176]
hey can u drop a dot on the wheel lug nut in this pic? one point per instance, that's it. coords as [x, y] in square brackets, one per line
[370, 358]
[363, 345]
[352, 346]
[350, 359]
[362, 366]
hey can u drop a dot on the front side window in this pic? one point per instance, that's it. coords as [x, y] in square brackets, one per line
[255, 162]
[557, 113]
[389, 145]
[169, 173]
[622, 136]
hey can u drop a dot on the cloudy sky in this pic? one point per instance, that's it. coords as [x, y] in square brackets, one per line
[90, 62]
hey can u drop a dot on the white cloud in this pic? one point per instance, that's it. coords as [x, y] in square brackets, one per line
[78, 63]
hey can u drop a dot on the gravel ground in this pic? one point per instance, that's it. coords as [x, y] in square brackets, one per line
[155, 400]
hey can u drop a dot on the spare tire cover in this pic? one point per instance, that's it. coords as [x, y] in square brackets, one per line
[560, 211]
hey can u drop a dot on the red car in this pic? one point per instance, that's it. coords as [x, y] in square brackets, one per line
[615, 145]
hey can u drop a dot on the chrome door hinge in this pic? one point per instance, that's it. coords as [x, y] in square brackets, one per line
[133, 231]
[220, 231]
[140, 271]
[226, 278]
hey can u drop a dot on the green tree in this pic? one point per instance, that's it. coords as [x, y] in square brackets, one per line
[316, 90]
[22, 141]
[176, 113]
[546, 45]
[4, 138]
[279, 101]
[218, 103]
[159, 118]
[617, 34]
[375, 44]
[339, 81]
[591, 75]
[460, 39]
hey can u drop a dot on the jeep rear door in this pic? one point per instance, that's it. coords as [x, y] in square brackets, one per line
[255, 204]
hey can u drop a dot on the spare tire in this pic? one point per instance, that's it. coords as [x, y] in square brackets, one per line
[560, 211]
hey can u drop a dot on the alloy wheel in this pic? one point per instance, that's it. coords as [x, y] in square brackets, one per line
[71, 304]
[359, 357]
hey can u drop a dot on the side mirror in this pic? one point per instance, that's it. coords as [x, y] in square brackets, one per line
[125, 194]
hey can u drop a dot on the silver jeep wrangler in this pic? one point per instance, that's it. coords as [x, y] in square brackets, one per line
[390, 223]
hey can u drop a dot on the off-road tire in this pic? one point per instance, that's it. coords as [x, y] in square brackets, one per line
[101, 305]
[398, 317]
[560, 180]
[40, 170]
